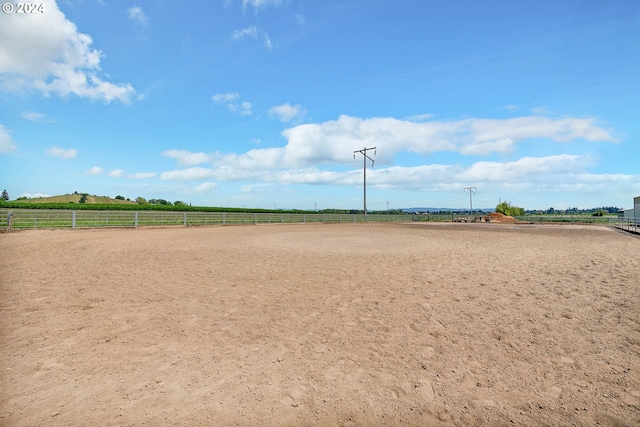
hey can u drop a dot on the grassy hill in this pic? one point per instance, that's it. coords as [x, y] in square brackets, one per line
[75, 198]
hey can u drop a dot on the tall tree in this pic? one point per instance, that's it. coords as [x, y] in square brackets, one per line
[507, 209]
[5, 195]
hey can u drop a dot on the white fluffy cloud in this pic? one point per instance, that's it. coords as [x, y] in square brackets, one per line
[500, 146]
[142, 175]
[310, 146]
[96, 170]
[260, 4]
[116, 173]
[137, 15]
[251, 32]
[62, 153]
[187, 158]
[334, 141]
[195, 173]
[225, 98]
[540, 110]
[244, 108]
[532, 173]
[6, 142]
[233, 103]
[35, 117]
[287, 112]
[525, 168]
[205, 187]
[45, 52]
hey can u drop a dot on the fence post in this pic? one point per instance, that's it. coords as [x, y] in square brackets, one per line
[223, 219]
[9, 220]
[340, 218]
[135, 221]
[282, 219]
[255, 218]
[73, 220]
[185, 218]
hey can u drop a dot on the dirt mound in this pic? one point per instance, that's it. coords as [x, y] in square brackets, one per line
[499, 217]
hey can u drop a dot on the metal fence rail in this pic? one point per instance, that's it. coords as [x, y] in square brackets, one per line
[22, 219]
[565, 219]
[627, 224]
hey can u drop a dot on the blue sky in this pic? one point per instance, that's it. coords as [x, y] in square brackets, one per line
[261, 102]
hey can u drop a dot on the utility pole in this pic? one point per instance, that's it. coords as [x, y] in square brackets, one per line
[364, 162]
[471, 193]
[387, 208]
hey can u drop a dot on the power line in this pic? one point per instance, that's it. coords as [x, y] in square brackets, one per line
[471, 193]
[364, 163]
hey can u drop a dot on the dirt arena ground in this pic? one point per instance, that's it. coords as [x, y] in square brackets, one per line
[321, 325]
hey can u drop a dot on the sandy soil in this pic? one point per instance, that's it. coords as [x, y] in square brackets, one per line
[322, 325]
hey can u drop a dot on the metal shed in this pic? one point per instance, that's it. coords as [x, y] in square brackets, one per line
[626, 213]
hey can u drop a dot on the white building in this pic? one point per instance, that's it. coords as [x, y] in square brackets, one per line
[633, 212]
[626, 213]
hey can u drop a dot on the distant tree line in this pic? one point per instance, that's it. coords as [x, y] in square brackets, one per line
[162, 202]
[599, 211]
